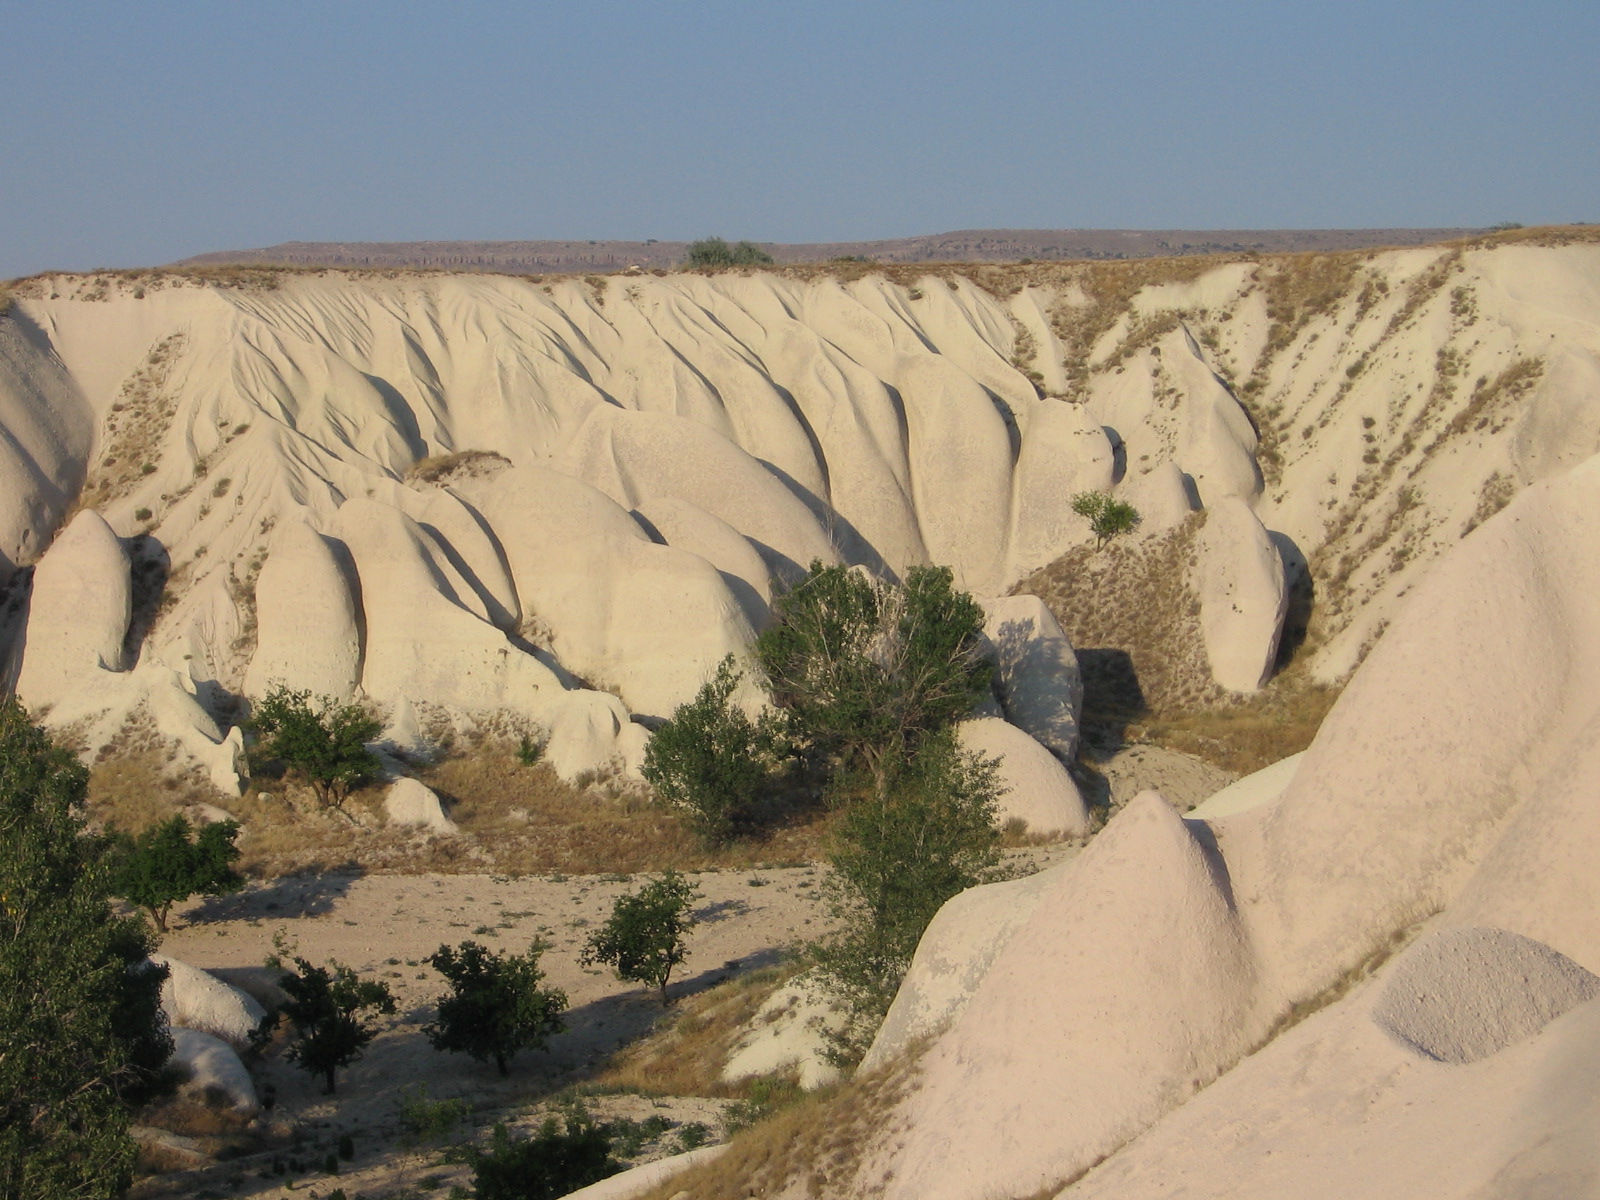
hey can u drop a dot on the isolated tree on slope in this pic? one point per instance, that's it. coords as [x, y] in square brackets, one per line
[496, 1006]
[646, 935]
[165, 864]
[325, 743]
[82, 1037]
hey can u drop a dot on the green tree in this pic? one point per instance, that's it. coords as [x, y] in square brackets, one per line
[870, 669]
[167, 863]
[326, 1005]
[82, 1038]
[714, 252]
[646, 935]
[553, 1162]
[496, 1006]
[897, 856]
[711, 760]
[1107, 516]
[325, 742]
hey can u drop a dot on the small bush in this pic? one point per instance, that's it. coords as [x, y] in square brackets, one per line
[646, 935]
[326, 744]
[168, 863]
[496, 1006]
[551, 1163]
[529, 752]
[1107, 516]
[715, 763]
[430, 1120]
[714, 252]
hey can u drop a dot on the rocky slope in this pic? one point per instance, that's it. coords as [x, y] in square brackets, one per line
[562, 503]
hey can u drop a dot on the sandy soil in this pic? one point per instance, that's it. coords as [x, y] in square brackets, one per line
[385, 925]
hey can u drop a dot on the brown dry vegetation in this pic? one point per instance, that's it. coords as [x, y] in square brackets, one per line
[1248, 734]
[815, 1144]
[684, 1056]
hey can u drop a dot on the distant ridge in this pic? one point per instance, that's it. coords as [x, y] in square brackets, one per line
[966, 245]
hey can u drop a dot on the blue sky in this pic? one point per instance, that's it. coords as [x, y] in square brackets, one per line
[139, 133]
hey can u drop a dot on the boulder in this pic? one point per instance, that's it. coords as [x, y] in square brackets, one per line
[1159, 495]
[408, 802]
[1243, 596]
[1035, 787]
[194, 999]
[217, 1076]
[1036, 671]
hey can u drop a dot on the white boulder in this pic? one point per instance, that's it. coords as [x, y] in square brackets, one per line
[1036, 671]
[194, 999]
[307, 631]
[216, 1073]
[789, 1032]
[1035, 786]
[408, 802]
[78, 613]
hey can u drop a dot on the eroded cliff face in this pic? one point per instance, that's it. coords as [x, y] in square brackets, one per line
[460, 494]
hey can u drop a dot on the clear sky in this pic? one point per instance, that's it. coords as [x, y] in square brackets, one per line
[137, 133]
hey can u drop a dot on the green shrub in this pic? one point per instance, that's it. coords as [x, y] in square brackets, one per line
[714, 252]
[713, 762]
[430, 1120]
[326, 1005]
[496, 1006]
[529, 751]
[551, 1163]
[326, 744]
[82, 1038]
[899, 854]
[1106, 515]
[646, 935]
[167, 863]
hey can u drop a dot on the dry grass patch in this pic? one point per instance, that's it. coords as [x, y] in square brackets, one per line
[686, 1053]
[441, 469]
[527, 820]
[814, 1147]
[1249, 734]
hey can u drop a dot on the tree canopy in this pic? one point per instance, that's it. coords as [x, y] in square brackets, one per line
[82, 1037]
[646, 935]
[714, 252]
[496, 1006]
[324, 742]
[327, 1006]
[168, 862]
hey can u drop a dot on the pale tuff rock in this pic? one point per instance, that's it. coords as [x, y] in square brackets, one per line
[789, 1033]
[1243, 596]
[636, 1181]
[79, 611]
[954, 955]
[408, 802]
[747, 575]
[1035, 787]
[214, 1069]
[307, 631]
[193, 999]
[1128, 967]
[1254, 790]
[1064, 452]
[1464, 994]
[1159, 495]
[1036, 677]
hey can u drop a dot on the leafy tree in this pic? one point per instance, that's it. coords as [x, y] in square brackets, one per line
[326, 743]
[496, 1006]
[713, 761]
[1106, 515]
[326, 1006]
[869, 669]
[714, 252]
[553, 1162]
[897, 856]
[645, 936]
[82, 1038]
[165, 864]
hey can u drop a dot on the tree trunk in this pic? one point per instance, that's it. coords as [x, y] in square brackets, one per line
[500, 1061]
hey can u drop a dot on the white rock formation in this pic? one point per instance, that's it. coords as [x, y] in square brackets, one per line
[1258, 788]
[636, 1181]
[307, 634]
[1035, 787]
[789, 1032]
[1243, 596]
[193, 999]
[78, 614]
[1036, 672]
[214, 1071]
[408, 802]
